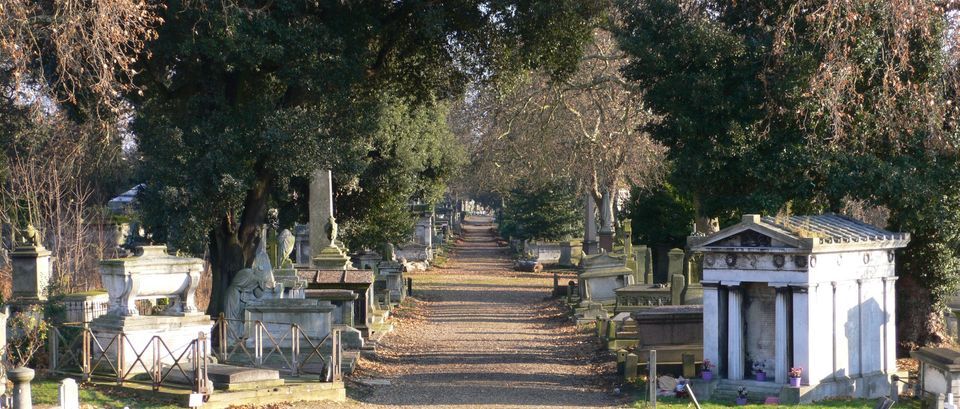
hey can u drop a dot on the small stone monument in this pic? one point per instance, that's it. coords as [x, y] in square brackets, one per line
[22, 395]
[151, 274]
[69, 394]
[31, 269]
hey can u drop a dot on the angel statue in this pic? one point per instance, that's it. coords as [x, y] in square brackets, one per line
[285, 243]
[248, 285]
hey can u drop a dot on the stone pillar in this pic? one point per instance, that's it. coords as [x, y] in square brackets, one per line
[781, 336]
[889, 325]
[606, 222]
[711, 323]
[321, 210]
[325, 251]
[21, 377]
[628, 238]
[31, 273]
[644, 264]
[734, 335]
[675, 262]
[801, 332]
[590, 245]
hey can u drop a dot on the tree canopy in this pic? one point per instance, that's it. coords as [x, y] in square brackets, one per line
[805, 106]
[242, 99]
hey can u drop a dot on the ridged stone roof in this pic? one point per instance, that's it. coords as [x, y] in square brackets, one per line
[831, 228]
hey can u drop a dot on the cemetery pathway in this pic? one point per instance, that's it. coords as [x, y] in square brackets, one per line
[481, 335]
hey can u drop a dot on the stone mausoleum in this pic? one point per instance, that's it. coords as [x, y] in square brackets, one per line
[815, 292]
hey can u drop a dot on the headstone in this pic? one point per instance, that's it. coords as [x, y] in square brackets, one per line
[677, 286]
[69, 394]
[689, 365]
[630, 366]
[611, 330]
[22, 396]
[644, 264]
[621, 361]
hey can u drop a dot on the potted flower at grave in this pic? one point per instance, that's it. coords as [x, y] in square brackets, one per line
[742, 395]
[795, 374]
[758, 371]
[707, 372]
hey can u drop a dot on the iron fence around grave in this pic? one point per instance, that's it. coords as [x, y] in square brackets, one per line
[287, 348]
[74, 349]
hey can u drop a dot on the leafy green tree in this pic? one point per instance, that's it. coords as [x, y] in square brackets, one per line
[661, 217]
[544, 212]
[241, 100]
[804, 105]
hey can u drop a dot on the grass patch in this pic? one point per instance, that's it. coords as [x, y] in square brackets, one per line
[46, 393]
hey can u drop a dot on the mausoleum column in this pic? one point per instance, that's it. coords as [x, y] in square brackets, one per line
[781, 336]
[801, 332]
[889, 325]
[711, 323]
[734, 334]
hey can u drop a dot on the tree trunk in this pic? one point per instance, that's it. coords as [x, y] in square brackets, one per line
[703, 223]
[233, 242]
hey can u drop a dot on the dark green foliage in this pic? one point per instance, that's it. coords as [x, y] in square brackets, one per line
[661, 217]
[243, 100]
[754, 122]
[543, 213]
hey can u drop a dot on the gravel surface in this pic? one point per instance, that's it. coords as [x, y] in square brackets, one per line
[480, 335]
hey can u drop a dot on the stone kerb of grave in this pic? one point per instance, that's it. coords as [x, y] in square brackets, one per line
[151, 274]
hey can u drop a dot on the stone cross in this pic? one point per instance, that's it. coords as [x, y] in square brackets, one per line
[321, 211]
[69, 394]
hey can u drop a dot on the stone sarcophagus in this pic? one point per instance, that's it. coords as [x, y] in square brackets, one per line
[151, 274]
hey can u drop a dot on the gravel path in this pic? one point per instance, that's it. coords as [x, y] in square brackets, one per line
[481, 335]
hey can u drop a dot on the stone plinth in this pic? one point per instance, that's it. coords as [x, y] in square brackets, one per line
[331, 258]
[176, 332]
[569, 250]
[368, 260]
[31, 273]
[392, 272]
[313, 316]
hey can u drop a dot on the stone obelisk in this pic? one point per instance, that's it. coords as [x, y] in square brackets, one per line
[325, 251]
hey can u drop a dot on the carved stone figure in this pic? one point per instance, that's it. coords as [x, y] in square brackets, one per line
[332, 230]
[31, 236]
[285, 243]
[248, 286]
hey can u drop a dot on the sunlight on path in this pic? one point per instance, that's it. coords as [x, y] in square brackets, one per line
[481, 335]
